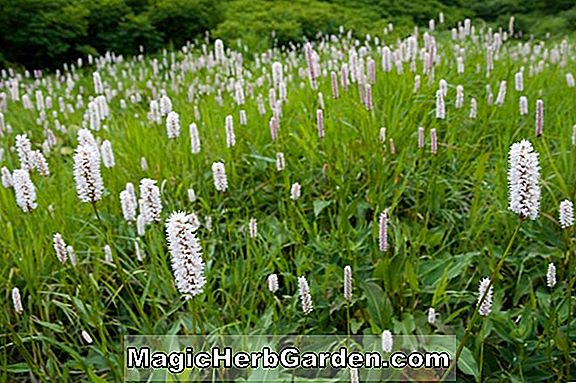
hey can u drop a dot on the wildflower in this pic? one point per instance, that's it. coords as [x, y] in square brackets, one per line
[320, 123]
[523, 105]
[71, 255]
[551, 275]
[173, 124]
[473, 108]
[89, 183]
[387, 341]
[295, 191]
[305, 296]
[280, 165]
[191, 195]
[86, 337]
[24, 190]
[253, 226]
[194, 138]
[273, 128]
[539, 117]
[566, 214]
[273, 283]
[186, 251]
[486, 304]
[433, 141]
[334, 82]
[107, 154]
[459, 97]
[383, 231]
[431, 315]
[150, 203]
[347, 283]
[519, 81]
[440, 108]
[7, 177]
[230, 137]
[17, 301]
[128, 203]
[24, 150]
[420, 137]
[354, 375]
[108, 254]
[60, 248]
[501, 93]
[523, 180]
[219, 174]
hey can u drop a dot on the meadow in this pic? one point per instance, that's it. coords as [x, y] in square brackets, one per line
[401, 157]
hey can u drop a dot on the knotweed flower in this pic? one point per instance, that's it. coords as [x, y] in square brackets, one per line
[354, 375]
[347, 283]
[87, 338]
[280, 165]
[140, 225]
[17, 301]
[295, 191]
[71, 255]
[320, 123]
[137, 251]
[273, 283]
[186, 251]
[383, 231]
[107, 154]
[191, 195]
[486, 304]
[89, 183]
[539, 117]
[433, 141]
[194, 138]
[570, 80]
[566, 214]
[460, 65]
[519, 81]
[440, 108]
[108, 254]
[7, 177]
[321, 100]
[459, 97]
[523, 105]
[219, 174]
[473, 108]
[551, 275]
[382, 135]
[416, 83]
[24, 190]
[305, 297]
[230, 137]
[523, 180]
[173, 124]
[501, 93]
[128, 203]
[253, 226]
[165, 105]
[40, 163]
[387, 341]
[243, 119]
[420, 137]
[334, 82]
[98, 88]
[431, 315]
[150, 203]
[60, 248]
[273, 128]
[24, 150]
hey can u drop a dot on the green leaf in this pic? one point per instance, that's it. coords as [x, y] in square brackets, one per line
[378, 305]
[467, 364]
[319, 205]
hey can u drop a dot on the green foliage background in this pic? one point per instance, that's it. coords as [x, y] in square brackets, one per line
[46, 33]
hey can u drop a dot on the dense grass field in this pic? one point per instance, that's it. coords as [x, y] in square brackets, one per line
[448, 222]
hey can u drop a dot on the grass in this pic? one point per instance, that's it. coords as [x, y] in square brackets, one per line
[449, 219]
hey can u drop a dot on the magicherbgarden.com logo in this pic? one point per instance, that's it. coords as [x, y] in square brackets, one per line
[276, 357]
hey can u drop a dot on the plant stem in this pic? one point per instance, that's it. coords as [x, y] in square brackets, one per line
[475, 316]
[481, 350]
